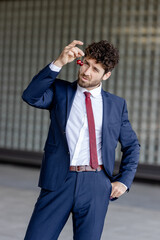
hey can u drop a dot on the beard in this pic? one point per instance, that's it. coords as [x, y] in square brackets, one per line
[83, 83]
[86, 82]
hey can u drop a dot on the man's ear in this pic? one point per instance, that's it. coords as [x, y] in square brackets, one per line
[106, 76]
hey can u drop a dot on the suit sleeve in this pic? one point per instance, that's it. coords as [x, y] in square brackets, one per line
[40, 91]
[130, 148]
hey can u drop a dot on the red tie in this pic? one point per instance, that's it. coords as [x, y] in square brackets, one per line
[92, 135]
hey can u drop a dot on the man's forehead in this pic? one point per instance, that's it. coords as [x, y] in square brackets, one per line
[94, 61]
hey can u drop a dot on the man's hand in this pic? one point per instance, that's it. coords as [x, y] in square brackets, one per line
[70, 53]
[118, 189]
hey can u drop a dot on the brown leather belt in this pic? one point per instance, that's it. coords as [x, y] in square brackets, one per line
[85, 168]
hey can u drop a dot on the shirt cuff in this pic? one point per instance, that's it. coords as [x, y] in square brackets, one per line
[54, 67]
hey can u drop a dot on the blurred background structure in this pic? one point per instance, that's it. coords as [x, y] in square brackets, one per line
[33, 33]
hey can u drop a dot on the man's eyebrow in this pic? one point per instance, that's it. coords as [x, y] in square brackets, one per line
[85, 60]
[97, 69]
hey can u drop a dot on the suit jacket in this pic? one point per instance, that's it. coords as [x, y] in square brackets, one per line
[47, 92]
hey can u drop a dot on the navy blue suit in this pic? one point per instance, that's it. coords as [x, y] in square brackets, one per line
[47, 92]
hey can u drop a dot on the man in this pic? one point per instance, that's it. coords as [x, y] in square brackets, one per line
[79, 154]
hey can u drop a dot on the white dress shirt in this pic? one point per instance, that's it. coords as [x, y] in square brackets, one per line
[77, 127]
[77, 133]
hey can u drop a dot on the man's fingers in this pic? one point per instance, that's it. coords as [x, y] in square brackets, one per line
[74, 43]
[117, 189]
[75, 49]
[115, 193]
[75, 52]
[79, 52]
[69, 53]
[72, 48]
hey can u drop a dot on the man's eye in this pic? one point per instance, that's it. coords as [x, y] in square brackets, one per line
[95, 69]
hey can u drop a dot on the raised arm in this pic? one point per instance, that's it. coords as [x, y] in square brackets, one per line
[40, 91]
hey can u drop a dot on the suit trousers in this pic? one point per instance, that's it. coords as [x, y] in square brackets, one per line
[85, 195]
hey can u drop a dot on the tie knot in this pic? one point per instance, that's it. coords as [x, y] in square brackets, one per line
[87, 94]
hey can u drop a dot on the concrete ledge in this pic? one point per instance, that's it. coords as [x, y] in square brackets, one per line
[20, 157]
[145, 172]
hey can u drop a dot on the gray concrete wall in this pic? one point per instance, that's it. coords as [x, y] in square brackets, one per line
[32, 34]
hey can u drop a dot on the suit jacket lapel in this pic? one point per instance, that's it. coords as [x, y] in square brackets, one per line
[107, 104]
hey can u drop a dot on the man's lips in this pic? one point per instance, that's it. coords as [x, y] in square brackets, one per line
[84, 78]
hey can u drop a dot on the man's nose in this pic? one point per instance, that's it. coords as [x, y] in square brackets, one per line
[87, 71]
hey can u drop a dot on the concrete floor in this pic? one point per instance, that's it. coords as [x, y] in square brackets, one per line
[136, 215]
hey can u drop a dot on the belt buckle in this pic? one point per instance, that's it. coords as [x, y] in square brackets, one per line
[78, 169]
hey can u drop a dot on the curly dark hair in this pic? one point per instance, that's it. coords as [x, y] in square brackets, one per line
[104, 53]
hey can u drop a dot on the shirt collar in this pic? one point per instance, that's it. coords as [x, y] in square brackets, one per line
[94, 92]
